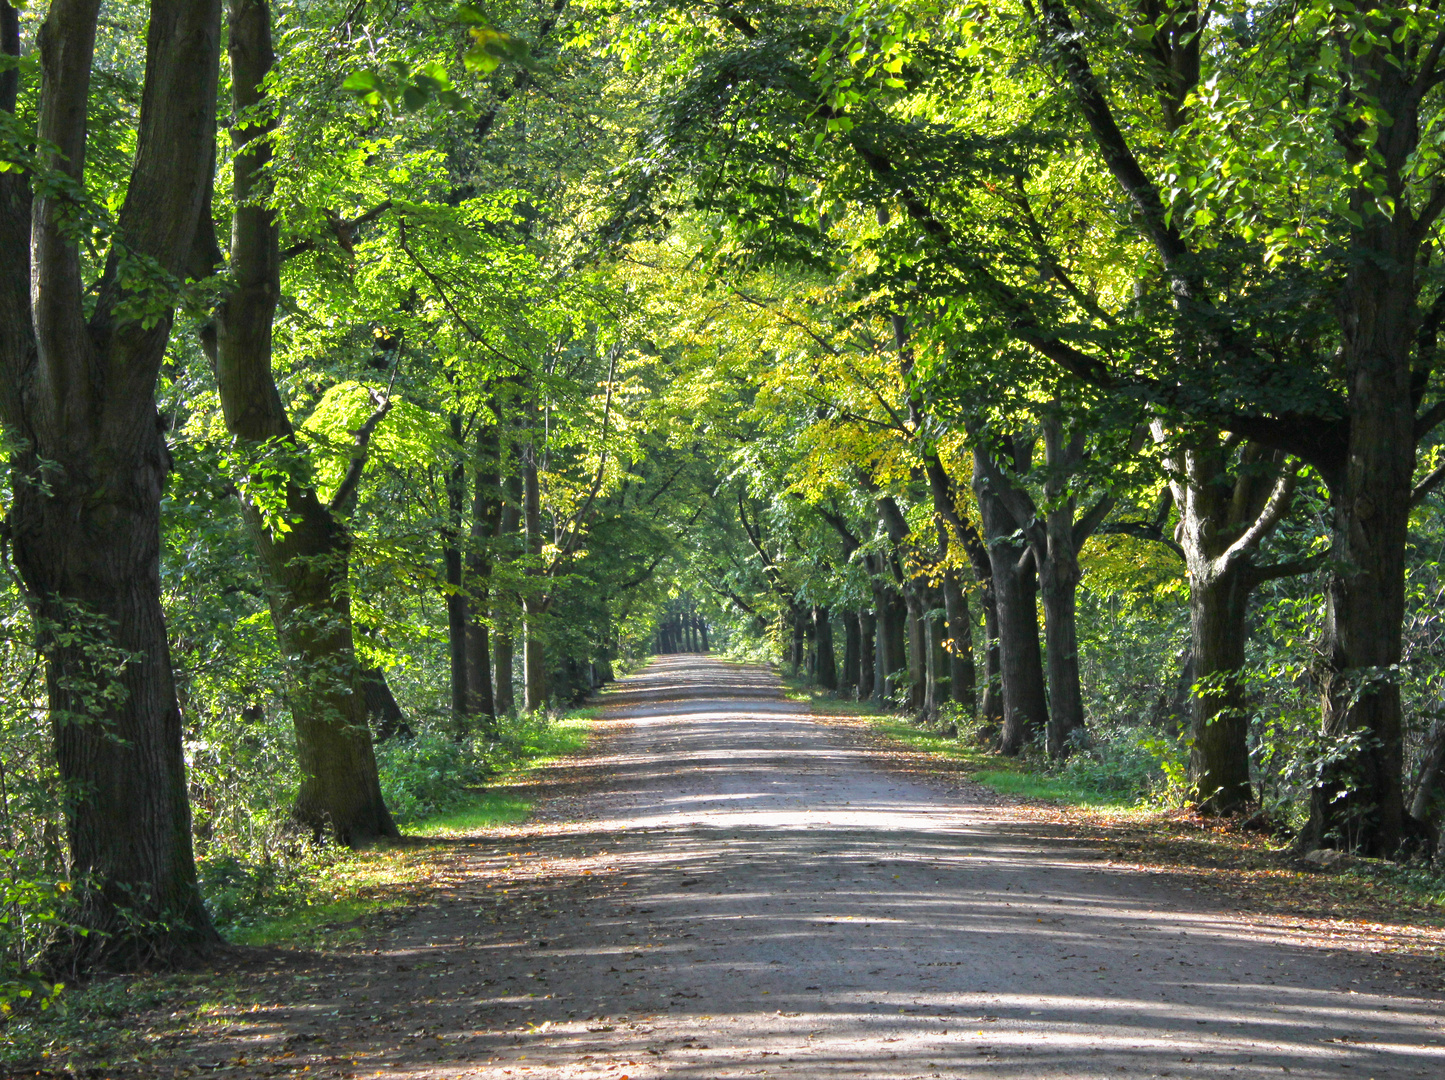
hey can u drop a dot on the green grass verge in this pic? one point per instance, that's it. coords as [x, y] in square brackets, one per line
[487, 811]
[304, 925]
[1051, 789]
[340, 889]
[1000, 774]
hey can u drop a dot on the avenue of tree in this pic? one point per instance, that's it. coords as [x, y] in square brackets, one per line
[373, 374]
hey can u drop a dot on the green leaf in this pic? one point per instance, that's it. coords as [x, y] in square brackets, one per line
[478, 59]
[362, 83]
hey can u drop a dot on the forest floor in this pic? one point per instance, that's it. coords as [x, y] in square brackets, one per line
[728, 885]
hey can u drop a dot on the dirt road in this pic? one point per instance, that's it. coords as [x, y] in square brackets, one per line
[734, 889]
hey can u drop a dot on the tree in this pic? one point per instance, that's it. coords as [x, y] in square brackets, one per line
[81, 346]
[1230, 500]
[1055, 533]
[303, 544]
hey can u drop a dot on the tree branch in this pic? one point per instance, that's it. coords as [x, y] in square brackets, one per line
[1087, 525]
[1274, 571]
[1142, 530]
[1425, 486]
[1015, 500]
[1274, 511]
[344, 500]
[345, 231]
[851, 542]
[945, 502]
[1429, 420]
[440, 287]
[1063, 38]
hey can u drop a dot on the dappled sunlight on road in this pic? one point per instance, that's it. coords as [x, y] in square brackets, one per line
[747, 894]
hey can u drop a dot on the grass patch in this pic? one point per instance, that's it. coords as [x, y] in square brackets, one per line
[1030, 785]
[319, 896]
[918, 738]
[544, 744]
[324, 897]
[1015, 776]
[489, 810]
[302, 924]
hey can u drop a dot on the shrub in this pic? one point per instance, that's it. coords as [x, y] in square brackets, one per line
[1116, 766]
[432, 772]
[428, 773]
[240, 889]
[31, 916]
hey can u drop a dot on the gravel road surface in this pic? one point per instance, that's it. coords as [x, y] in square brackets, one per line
[732, 888]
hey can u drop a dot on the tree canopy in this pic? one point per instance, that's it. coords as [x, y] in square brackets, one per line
[375, 377]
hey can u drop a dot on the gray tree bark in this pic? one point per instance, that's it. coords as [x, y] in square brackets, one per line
[304, 567]
[963, 532]
[1055, 538]
[848, 676]
[486, 512]
[867, 637]
[456, 597]
[962, 678]
[1015, 588]
[78, 369]
[1227, 508]
[534, 659]
[823, 642]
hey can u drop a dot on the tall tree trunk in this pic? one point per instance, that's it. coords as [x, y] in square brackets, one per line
[702, 629]
[456, 597]
[1058, 587]
[1359, 804]
[382, 709]
[1025, 705]
[503, 661]
[1428, 804]
[503, 671]
[304, 568]
[961, 676]
[486, 517]
[882, 653]
[823, 639]
[1224, 515]
[990, 709]
[961, 531]
[890, 653]
[77, 396]
[917, 646]
[867, 636]
[1064, 535]
[1219, 724]
[799, 647]
[935, 642]
[1055, 537]
[534, 660]
[895, 659]
[848, 677]
[1021, 666]
[505, 604]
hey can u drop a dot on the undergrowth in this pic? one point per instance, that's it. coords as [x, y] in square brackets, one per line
[293, 892]
[435, 786]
